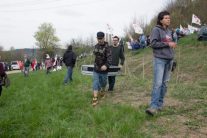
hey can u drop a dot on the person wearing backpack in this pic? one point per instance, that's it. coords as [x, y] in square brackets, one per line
[117, 53]
[69, 58]
[163, 51]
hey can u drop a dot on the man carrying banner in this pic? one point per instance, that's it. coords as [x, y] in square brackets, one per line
[102, 62]
[117, 53]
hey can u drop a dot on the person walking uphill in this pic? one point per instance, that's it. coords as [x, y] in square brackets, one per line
[163, 51]
[69, 58]
[117, 53]
[102, 62]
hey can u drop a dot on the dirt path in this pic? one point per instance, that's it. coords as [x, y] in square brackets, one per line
[13, 71]
[178, 119]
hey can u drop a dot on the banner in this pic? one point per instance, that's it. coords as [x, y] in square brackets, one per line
[137, 29]
[196, 20]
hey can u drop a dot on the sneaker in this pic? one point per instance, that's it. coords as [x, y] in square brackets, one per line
[151, 111]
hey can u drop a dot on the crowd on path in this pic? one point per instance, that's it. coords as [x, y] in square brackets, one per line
[163, 45]
[161, 41]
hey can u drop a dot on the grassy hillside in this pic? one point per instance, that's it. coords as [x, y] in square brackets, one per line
[40, 106]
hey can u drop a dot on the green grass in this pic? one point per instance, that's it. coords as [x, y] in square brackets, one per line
[41, 106]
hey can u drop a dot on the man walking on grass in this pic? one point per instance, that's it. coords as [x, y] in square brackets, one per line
[69, 58]
[102, 62]
[117, 53]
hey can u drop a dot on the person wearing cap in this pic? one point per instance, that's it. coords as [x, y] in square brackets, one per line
[48, 64]
[69, 58]
[102, 62]
[117, 53]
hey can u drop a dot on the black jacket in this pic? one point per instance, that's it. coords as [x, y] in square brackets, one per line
[69, 58]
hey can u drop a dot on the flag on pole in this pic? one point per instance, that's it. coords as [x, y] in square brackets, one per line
[109, 28]
[137, 29]
[181, 28]
[196, 20]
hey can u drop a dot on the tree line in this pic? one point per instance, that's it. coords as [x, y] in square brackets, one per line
[181, 14]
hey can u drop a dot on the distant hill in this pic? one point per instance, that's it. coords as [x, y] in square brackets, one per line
[181, 13]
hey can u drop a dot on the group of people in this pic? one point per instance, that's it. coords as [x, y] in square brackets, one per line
[105, 56]
[142, 42]
[49, 64]
[163, 46]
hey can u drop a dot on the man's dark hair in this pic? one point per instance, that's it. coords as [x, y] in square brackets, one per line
[161, 16]
[70, 47]
[116, 37]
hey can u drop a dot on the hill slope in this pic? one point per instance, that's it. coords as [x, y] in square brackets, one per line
[40, 106]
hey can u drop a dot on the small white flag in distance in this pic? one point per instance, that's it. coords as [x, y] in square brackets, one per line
[181, 28]
[137, 29]
[196, 20]
[109, 29]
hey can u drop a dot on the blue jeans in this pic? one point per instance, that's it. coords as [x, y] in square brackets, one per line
[162, 69]
[99, 81]
[26, 71]
[68, 74]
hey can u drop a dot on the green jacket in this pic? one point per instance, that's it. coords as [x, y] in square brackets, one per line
[27, 63]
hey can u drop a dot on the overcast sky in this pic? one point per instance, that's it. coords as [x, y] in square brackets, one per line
[19, 19]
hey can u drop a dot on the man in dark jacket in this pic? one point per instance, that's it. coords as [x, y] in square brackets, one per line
[117, 53]
[26, 67]
[2, 75]
[102, 62]
[69, 58]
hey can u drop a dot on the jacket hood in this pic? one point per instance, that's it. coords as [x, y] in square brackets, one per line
[159, 26]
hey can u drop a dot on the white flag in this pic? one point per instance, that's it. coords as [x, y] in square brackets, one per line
[181, 28]
[196, 20]
[110, 29]
[137, 29]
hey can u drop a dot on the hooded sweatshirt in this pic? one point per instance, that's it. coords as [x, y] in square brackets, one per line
[160, 37]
